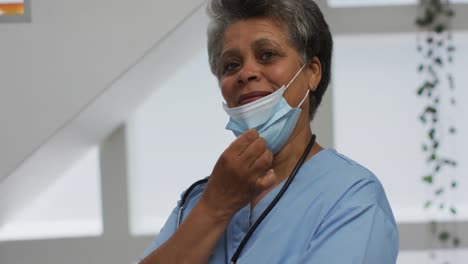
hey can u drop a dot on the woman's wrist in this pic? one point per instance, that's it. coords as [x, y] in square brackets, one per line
[217, 215]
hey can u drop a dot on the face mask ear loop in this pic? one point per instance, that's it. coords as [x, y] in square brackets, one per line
[295, 76]
[303, 99]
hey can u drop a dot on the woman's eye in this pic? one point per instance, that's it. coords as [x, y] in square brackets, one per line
[267, 55]
[229, 67]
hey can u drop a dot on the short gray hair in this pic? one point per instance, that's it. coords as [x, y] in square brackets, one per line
[302, 19]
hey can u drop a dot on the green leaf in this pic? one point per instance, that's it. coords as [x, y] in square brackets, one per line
[441, 206]
[419, 22]
[444, 236]
[439, 28]
[423, 119]
[431, 110]
[450, 162]
[420, 68]
[428, 17]
[438, 61]
[428, 179]
[453, 210]
[429, 53]
[427, 86]
[427, 204]
[450, 12]
[439, 191]
[454, 184]
[421, 89]
[431, 133]
[425, 147]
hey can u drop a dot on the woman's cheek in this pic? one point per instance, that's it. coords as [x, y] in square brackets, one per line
[277, 75]
[227, 92]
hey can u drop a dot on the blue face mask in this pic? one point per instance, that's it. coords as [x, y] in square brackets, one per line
[271, 116]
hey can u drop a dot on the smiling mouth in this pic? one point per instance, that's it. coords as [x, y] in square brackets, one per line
[251, 97]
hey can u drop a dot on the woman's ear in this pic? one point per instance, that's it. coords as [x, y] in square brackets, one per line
[314, 69]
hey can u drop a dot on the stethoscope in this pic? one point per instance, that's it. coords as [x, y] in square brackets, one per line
[267, 210]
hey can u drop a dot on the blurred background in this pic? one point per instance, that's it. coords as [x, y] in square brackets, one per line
[108, 111]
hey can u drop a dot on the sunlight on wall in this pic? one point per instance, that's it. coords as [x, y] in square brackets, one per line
[70, 207]
[174, 139]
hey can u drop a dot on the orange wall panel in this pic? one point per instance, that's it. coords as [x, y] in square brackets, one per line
[12, 9]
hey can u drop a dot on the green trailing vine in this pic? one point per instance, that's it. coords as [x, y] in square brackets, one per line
[437, 91]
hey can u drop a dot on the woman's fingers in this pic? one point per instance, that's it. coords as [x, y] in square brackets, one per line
[239, 145]
[240, 173]
[267, 180]
[253, 152]
[262, 162]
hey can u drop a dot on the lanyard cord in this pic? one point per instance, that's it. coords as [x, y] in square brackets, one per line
[274, 202]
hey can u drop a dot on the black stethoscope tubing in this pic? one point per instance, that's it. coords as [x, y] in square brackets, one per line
[185, 197]
[267, 210]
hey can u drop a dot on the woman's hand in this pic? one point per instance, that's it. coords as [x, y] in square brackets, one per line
[242, 172]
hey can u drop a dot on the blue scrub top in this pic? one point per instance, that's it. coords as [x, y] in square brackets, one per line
[334, 212]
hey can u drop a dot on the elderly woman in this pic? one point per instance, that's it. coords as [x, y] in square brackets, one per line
[275, 195]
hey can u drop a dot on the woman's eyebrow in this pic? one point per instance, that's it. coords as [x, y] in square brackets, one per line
[264, 42]
[261, 42]
[230, 53]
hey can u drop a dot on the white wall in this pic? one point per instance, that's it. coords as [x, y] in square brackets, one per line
[63, 87]
[71, 51]
[377, 120]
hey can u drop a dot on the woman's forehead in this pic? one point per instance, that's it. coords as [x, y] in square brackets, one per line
[253, 32]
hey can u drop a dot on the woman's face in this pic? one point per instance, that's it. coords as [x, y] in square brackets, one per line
[257, 59]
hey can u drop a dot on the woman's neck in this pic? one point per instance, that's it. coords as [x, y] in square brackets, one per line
[285, 160]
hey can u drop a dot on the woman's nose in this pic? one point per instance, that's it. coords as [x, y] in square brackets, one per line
[248, 73]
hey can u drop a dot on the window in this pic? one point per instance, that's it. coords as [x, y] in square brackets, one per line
[376, 117]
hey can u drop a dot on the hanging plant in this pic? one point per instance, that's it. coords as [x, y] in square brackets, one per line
[437, 91]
